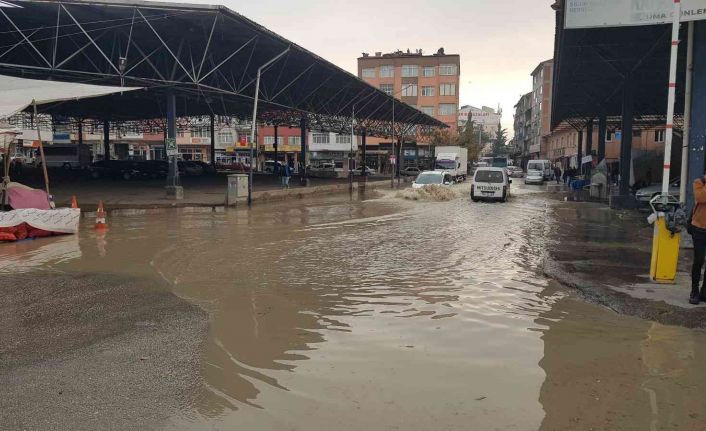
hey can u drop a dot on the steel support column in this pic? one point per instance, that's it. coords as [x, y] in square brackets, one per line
[213, 140]
[602, 130]
[302, 162]
[106, 139]
[276, 147]
[173, 183]
[697, 136]
[80, 134]
[579, 152]
[626, 139]
[363, 165]
[589, 137]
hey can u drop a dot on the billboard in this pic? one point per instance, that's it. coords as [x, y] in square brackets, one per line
[620, 13]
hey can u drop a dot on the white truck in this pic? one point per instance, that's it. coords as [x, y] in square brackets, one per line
[453, 160]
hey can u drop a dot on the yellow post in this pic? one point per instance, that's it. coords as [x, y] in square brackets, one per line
[665, 253]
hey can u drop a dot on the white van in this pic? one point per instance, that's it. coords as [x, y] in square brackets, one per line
[543, 166]
[490, 184]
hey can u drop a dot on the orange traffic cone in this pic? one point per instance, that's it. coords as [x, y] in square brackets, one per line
[100, 217]
[74, 202]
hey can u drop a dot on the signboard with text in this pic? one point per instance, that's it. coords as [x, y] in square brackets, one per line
[620, 13]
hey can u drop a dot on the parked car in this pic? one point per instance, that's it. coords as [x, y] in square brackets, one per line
[125, 169]
[411, 171]
[534, 176]
[515, 172]
[368, 170]
[208, 168]
[270, 166]
[646, 194]
[153, 168]
[544, 166]
[428, 178]
[189, 168]
[21, 158]
[490, 184]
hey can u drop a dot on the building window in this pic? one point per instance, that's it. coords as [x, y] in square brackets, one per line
[429, 110]
[427, 91]
[409, 90]
[659, 135]
[387, 88]
[343, 139]
[387, 71]
[448, 69]
[447, 90]
[294, 141]
[270, 140]
[369, 73]
[447, 109]
[201, 132]
[320, 138]
[636, 133]
[609, 135]
[410, 70]
[428, 71]
[225, 137]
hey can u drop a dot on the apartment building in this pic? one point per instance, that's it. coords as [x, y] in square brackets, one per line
[540, 123]
[429, 83]
[522, 120]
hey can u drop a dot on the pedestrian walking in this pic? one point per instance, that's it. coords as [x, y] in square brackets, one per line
[697, 229]
[286, 174]
[557, 174]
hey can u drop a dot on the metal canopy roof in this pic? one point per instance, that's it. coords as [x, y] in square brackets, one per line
[590, 66]
[207, 55]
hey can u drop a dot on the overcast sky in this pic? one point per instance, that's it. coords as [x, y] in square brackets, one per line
[500, 41]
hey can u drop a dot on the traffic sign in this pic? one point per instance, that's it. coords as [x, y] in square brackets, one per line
[171, 145]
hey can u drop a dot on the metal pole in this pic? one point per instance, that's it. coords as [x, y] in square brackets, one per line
[276, 146]
[254, 120]
[213, 140]
[302, 155]
[670, 101]
[392, 147]
[350, 155]
[106, 140]
[173, 181]
[602, 129]
[686, 135]
[626, 140]
[41, 151]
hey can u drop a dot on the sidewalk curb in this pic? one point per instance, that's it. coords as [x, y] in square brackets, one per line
[622, 303]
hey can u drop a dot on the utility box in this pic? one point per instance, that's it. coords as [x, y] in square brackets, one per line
[237, 189]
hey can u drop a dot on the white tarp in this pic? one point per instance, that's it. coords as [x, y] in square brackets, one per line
[64, 220]
[18, 93]
[619, 13]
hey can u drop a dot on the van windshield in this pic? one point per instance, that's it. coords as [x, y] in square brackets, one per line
[534, 167]
[489, 177]
[429, 178]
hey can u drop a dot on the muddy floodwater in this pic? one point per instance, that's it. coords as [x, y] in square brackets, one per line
[379, 313]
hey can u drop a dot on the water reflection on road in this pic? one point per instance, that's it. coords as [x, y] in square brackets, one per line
[343, 314]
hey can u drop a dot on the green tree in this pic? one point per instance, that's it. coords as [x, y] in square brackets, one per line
[468, 137]
[500, 142]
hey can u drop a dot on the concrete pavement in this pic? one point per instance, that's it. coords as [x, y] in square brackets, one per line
[605, 255]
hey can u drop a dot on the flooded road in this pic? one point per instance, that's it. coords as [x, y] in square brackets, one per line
[383, 314]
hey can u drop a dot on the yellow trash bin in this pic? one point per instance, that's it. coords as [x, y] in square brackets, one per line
[665, 252]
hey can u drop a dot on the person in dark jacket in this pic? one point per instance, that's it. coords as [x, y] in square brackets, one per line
[557, 174]
[698, 234]
[286, 173]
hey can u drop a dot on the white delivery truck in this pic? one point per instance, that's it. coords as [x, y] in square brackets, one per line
[453, 160]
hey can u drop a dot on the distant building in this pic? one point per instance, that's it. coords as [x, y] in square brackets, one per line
[486, 117]
[540, 124]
